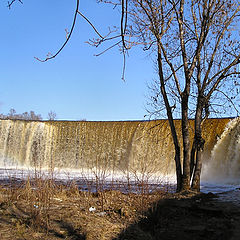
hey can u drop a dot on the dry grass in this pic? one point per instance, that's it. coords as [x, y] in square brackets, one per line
[42, 209]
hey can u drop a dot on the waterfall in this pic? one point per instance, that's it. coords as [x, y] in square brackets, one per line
[224, 164]
[122, 146]
[144, 147]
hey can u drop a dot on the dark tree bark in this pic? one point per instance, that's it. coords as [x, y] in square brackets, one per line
[198, 145]
[186, 144]
[171, 123]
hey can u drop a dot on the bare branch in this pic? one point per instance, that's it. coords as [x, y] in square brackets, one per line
[114, 45]
[220, 37]
[13, 1]
[124, 24]
[223, 74]
[172, 68]
[180, 19]
[229, 100]
[67, 39]
[94, 28]
[124, 66]
[205, 25]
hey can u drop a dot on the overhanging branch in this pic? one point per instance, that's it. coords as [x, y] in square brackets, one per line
[68, 37]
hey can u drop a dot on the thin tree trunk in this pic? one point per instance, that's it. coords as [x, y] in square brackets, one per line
[171, 123]
[197, 171]
[178, 168]
[186, 144]
[193, 160]
[199, 142]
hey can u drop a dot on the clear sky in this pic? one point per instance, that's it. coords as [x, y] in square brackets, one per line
[76, 85]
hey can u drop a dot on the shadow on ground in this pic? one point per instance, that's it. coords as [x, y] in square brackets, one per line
[196, 218]
[175, 216]
[70, 230]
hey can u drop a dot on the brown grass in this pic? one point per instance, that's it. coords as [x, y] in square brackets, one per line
[42, 209]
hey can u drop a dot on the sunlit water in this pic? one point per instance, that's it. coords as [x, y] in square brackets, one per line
[88, 181]
[221, 174]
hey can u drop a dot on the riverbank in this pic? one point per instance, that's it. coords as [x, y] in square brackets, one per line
[45, 210]
[197, 217]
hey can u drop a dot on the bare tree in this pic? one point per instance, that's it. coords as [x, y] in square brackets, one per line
[198, 57]
[52, 116]
[197, 49]
[34, 116]
[12, 113]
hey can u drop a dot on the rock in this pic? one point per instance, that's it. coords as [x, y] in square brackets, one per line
[92, 209]
[211, 195]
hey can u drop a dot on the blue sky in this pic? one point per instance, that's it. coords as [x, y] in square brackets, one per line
[76, 84]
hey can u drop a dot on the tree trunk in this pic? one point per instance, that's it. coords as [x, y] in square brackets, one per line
[193, 159]
[171, 123]
[178, 168]
[186, 143]
[197, 171]
[199, 144]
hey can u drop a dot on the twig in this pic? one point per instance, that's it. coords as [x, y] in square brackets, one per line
[229, 99]
[108, 49]
[124, 65]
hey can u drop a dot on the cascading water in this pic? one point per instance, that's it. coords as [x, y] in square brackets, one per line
[129, 147]
[221, 172]
[224, 164]
[121, 146]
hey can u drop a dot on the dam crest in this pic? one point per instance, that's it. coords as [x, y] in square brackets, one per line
[134, 147]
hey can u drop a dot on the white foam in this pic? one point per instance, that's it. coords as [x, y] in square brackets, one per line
[224, 165]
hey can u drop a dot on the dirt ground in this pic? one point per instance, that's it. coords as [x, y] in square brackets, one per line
[45, 211]
[188, 217]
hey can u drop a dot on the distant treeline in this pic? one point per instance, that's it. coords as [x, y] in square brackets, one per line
[13, 115]
[26, 115]
[22, 116]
